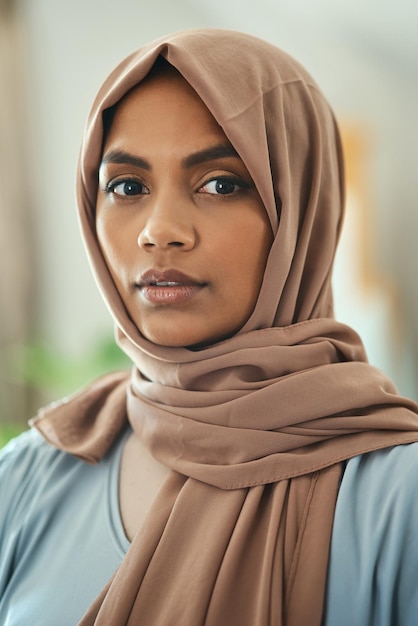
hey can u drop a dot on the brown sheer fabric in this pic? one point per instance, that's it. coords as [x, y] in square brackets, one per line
[254, 428]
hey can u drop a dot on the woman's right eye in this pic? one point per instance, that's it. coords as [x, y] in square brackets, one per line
[127, 188]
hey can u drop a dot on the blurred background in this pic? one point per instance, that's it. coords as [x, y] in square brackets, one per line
[55, 333]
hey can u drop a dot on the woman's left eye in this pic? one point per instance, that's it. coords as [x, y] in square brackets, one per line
[221, 186]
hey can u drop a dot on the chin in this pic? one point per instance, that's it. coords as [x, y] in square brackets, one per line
[172, 338]
[189, 341]
[186, 332]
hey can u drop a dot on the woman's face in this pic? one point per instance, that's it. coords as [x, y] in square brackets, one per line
[180, 223]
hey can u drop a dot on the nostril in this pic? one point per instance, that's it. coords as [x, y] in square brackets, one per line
[166, 235]
[152, 244]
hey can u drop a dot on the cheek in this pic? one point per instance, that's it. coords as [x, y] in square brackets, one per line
[103, 230]
[253, 244]
[111, 241]
[256, 260]
[244, 256]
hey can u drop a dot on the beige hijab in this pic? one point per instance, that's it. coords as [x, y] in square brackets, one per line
[255, 427]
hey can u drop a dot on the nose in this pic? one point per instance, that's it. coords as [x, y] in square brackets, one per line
[167, 227]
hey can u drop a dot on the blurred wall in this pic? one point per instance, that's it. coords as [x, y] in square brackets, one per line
[364, 56]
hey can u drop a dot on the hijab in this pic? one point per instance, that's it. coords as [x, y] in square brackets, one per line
[254, 428]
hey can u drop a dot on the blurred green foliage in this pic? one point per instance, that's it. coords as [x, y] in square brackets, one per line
[7, 432]
[50, 374]
[55, 374]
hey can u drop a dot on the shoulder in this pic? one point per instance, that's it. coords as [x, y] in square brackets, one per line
[374, 547]
[388, 475]
[405, 456]
[29, 465]
[378, 501]
[28, 450]
[26, 463]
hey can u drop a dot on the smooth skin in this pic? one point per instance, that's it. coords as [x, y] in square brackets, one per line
[174, 196]
[177, 206]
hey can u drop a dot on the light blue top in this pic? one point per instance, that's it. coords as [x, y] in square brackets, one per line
[61, 536]
[373, 570]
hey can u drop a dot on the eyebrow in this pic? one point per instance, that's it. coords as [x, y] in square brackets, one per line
[213, 153]
[221, 151]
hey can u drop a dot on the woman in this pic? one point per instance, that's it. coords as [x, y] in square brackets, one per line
[210, 193]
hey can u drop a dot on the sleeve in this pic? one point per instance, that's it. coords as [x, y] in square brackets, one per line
[373, 568]
[19, 464]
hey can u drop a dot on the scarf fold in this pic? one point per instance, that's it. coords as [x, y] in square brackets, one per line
[255, 428]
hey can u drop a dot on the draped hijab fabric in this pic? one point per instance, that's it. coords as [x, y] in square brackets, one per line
[255, 428]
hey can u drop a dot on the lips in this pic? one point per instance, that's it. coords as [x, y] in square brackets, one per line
[168, 287]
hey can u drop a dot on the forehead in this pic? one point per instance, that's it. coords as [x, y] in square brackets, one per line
[161, 100]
